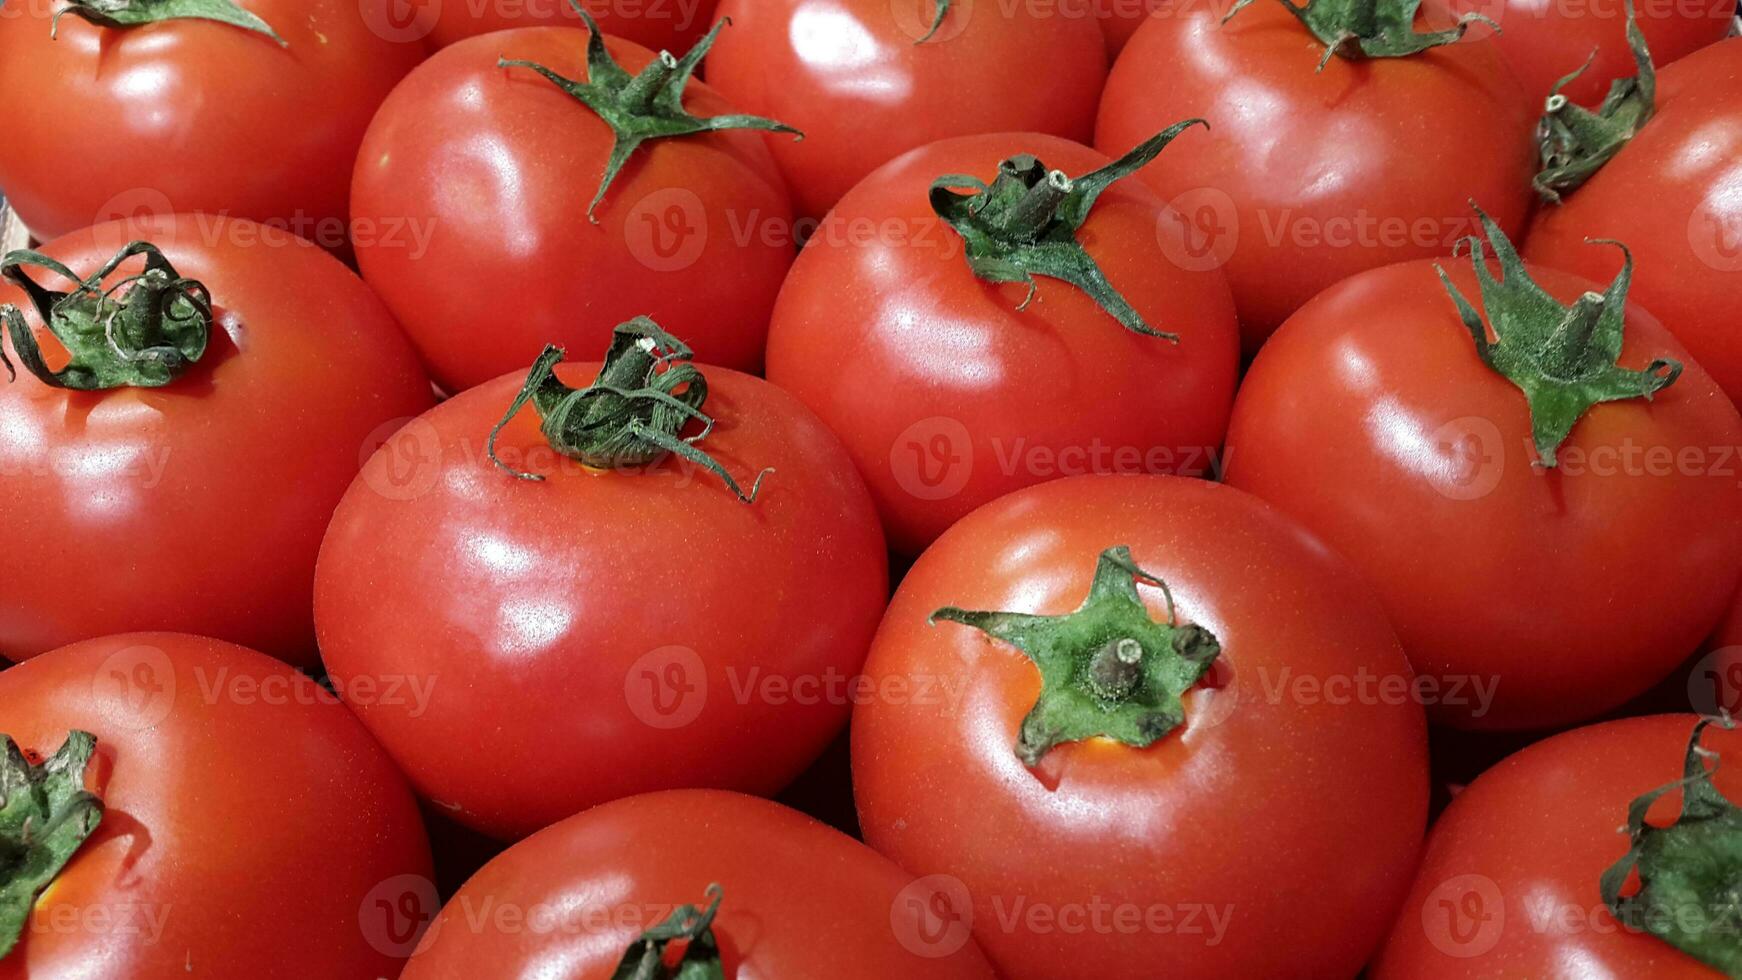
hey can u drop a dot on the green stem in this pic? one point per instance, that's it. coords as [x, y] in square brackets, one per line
[1576, 142]
[46, 815]
[133, 13]
[1359, 29]
[646, 958]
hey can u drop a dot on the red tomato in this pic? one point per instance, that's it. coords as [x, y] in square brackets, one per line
[502, 258]
[1543, 40]
[669, 25]
[948, 395]
[253, 829]
[1227, 848]
[198, 506]
[854, 75]
[1674, 195]
[627, 629]
[1310, 177]
[1508, 887]
[796, 899]
[1536, 597]
[191, 115]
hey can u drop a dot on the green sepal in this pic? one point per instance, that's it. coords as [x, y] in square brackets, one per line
[1690, 872]
[145, 331]
[1107, 670]
[1562, 357]
[46, 815]
[632, 414]
[641, 107]
[1574, 142]
[645, 959]
[133, 13]
[937, 21]
[1361, 29]
[1025, 223]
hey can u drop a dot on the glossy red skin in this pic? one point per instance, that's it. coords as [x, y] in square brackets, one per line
[188, 115]
[534, 607]
[1297, 160]
[1674, 195]
[895, 344]
[1543, 40]
[1534, 834]
[252, 820]
[849, 74]
[497, 166]
[199, 506]
[1250, 805]
[671, 25]
[1371, 419]
[798, 898]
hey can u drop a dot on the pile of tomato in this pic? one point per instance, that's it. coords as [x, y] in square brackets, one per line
[799, 489]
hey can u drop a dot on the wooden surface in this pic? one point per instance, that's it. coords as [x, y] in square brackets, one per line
[12, 233]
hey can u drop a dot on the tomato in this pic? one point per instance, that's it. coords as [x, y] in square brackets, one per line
[669, 25]
[1225, 848]
[606, 631]
[502, 257]
[795, 898]
[1542, 41]
[949, 394]
[1310, 177]
[1537, 596]
[198, 506]
[191, 115]
[1674, 195]
[251, 824]
[856, 77]
[1509, 884]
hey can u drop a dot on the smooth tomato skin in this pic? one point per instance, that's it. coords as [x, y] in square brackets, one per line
[189, 115]
[199, 506]
[494, 169]
[848, 73]
[1543, 40]
[1248, 807]
[1310, 177]
[621, 627]
[948, 396]
[1674, 196]
[1572, 589]
[669, 25]
[799, 899]
[249, 816]
[1508, 885]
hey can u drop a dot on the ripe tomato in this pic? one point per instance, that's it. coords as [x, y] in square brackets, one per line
[1542, 40]
[630, 629]
[1226, 848]
[1537, 596]
[1509, 884]
[1674, 195]
[696, 231]
[1310, 177]
[191, 115]
[949, 394]
[251, 824]
[198, 506]
[659, 25]
[855, 76]
[796, 899]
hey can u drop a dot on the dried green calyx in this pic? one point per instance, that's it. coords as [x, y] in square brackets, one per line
[1025, 223]
[1690, 872]
[641, 107]
[46, 815]
[133, 13]
[1575, 142]
[143, 332]
[632, 415]
[1360, 29]
[1107, 670]
[647, 959]
[1562, 357]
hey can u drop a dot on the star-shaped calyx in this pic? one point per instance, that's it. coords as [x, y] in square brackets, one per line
[648, 958]
[1575, 142]
[46, 815]
[1361, 29]
[133, 13]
